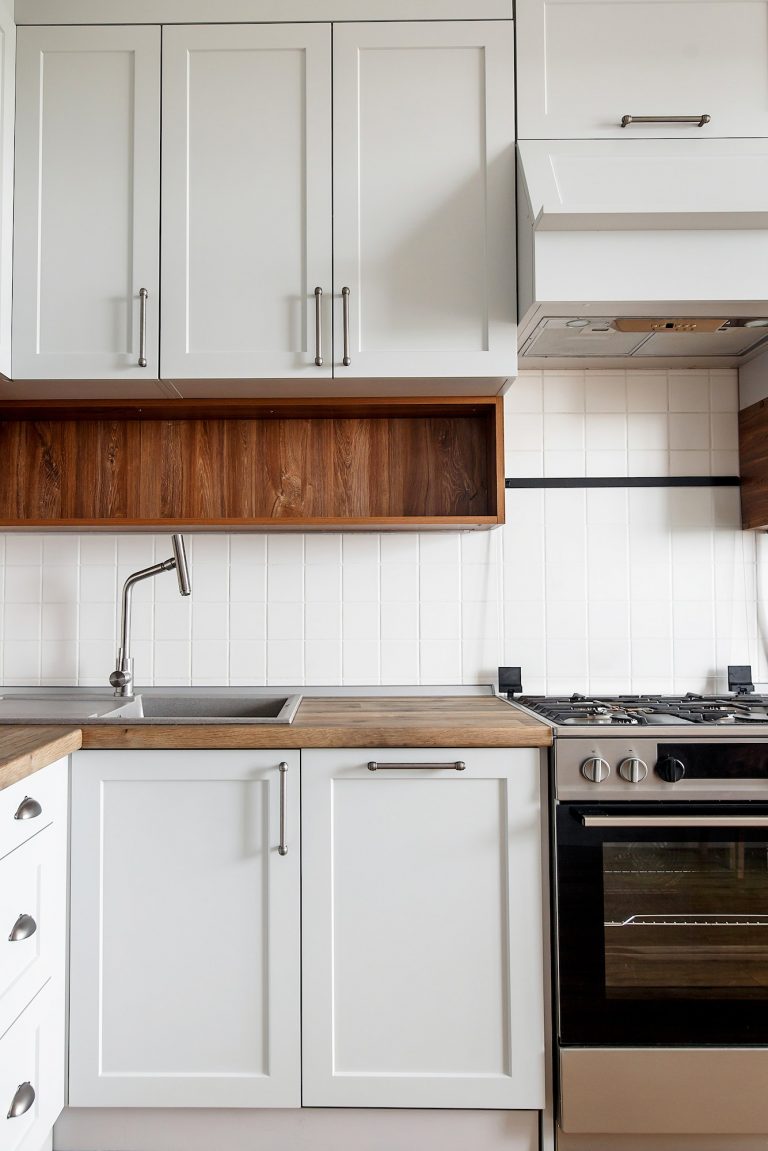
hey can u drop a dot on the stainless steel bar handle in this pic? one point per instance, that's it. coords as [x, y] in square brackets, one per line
[24, 928]
[346, 361]
[283, 769]
[143, 294]
[318, 328]
[699, 121]
[454, 765]
[28, 809]
[630, 821]
[22, 1100]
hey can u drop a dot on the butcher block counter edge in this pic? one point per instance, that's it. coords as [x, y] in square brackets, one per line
[394, 721]
[25, 750]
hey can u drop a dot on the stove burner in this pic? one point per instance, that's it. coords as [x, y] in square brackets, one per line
[647, 710]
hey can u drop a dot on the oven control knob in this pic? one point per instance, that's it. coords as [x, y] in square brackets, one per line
[595, 769]
[633, 770]
[670, 769]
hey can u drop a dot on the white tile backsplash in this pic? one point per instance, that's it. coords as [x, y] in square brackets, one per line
[613, 589]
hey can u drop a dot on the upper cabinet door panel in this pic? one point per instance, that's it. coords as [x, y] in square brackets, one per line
[423, 122]
[87, 202]
[7, 98]
[584, 64]
[246, 235]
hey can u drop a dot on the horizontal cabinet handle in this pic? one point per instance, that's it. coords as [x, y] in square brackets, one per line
[22, 1100]
[699, 121]
[23, 928]
[454, 765]
[28, 809]
[632, 821]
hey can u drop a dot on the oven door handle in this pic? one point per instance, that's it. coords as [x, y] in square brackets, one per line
[674, 820]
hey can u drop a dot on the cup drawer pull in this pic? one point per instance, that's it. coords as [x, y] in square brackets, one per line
[28, 809]
[22, 1100]
[23, 928]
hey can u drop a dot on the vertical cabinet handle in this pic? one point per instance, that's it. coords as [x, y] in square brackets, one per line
[283, 769]
[143, 294]
[28, 809]
[22, 1100]
[23, 928]
[345, 313]
[318, 328]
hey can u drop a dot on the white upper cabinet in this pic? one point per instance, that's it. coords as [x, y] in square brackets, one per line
[584, 65]
[87, 201]
[423, 178]
[185, 930]
[422, 929]
[246, 213]
[7, 102]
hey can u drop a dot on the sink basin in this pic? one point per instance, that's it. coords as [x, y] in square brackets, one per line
[82, 707]
[221, 708]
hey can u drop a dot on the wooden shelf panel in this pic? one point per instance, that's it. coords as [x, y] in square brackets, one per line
[257, 466]
[753, 464]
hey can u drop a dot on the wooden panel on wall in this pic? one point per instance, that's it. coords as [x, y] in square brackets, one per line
[753, 463]
[251, 464]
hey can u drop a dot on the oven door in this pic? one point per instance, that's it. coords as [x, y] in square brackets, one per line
[662, 924]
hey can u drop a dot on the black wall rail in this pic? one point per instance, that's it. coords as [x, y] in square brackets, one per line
[624, 482]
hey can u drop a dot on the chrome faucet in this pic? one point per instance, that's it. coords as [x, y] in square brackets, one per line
[122, 677]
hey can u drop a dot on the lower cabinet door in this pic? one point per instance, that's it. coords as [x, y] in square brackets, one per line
[422, 929]
[32, 1071]
[185, 945]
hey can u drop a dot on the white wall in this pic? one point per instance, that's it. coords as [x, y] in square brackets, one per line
[644, 589]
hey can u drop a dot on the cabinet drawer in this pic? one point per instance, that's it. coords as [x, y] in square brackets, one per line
[31, 920]
[19, 803]
[32, 1060]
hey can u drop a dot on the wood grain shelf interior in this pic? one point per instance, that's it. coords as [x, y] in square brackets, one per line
[229, 464]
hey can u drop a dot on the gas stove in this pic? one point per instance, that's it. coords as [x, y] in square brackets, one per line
[648, 710]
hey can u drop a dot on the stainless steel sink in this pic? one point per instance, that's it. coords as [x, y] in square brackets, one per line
[83, 707]
[66, 707]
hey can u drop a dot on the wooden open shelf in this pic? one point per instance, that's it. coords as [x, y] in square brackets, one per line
[252, 464]
[753, 464]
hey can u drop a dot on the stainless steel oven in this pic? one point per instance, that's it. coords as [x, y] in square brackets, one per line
[661, 888]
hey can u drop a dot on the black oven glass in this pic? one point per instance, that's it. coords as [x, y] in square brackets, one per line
[662, 932]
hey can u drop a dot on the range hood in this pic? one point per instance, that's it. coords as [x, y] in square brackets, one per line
[655, 251]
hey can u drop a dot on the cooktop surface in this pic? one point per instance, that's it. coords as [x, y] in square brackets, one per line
[647, 710]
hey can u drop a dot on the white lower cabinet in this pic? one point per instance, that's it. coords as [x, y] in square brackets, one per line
[420, 948]
[422, 936]
[185, 951]
[33, 873]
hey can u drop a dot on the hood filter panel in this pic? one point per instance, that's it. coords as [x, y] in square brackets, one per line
[578, 337]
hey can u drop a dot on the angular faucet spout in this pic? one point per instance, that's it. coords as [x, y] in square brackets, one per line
[122, 677]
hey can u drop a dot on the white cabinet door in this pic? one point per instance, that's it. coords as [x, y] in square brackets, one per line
[32, 1060]
[184, 969]
[7, 102]
[87, 202]
[246, 232]
[584, 64]
[422, 936]
[424, 219]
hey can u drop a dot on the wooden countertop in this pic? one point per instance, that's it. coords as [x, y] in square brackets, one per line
[385, 721]
[24, 750]
[393, 721]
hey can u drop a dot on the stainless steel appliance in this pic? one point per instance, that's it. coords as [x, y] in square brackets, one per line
[661, 896]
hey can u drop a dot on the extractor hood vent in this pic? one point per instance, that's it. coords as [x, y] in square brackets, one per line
[583, 337]
[650, 249]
